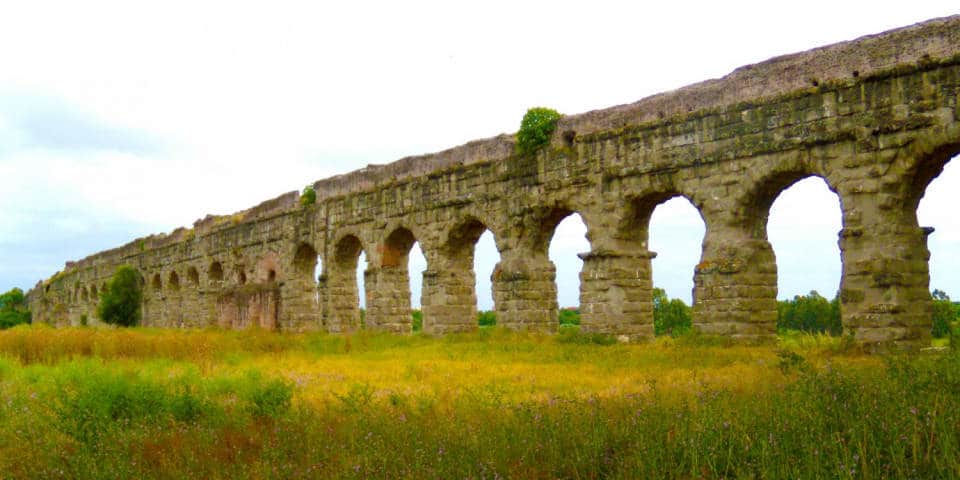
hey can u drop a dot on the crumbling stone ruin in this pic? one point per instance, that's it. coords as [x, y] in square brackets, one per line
[876, 118]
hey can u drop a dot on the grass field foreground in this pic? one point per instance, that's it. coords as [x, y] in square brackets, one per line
[125, 403]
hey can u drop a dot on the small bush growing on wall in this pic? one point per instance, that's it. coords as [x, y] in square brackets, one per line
[120, 301]
[309, 196]
[535, 129]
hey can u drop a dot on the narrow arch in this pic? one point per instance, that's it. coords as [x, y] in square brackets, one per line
[659, 240]
[241, 275]
[173, 282]
[389, 300]
[936, 213]
[675, 233]
[342, 307]
[802, 224]
[303, 296]
[305, 262]
[94, 296]
[215, 272]
[568, 241]
[193, 276]
[460, 292]
[157, 284]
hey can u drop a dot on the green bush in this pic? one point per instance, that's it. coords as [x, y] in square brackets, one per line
[13, 309]
[269, 398]
[810, 313]
[120, 301]
[670, 317]
[487, 318]
[569, 316]
[309, 196]
[535, 129]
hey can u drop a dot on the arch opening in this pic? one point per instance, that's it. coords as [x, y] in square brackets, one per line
[802, 224]
[675, 233]
[156, 284]
[471, 256]
[399, 282]
[936, 212]
[567, 239]
[94, 296]
[216, 272]
[345, 307]
[174, 282]
[193, 276]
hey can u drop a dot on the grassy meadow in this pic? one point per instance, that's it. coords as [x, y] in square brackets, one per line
[141, 403]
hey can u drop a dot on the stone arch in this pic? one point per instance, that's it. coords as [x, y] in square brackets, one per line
[545, 221]
[450, 294]
[927, 168]
[341, 304]
[735, 287]
[94, 295]
[756, 202]
[173, 281]
[305, 261]
[215, 271]
[525, 289]
[240, 273]
[193, 276]
[156, 284]
[388, 292]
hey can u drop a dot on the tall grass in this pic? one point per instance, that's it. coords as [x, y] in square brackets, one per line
[496, 404]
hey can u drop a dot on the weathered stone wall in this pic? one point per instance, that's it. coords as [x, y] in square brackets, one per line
[876, 118]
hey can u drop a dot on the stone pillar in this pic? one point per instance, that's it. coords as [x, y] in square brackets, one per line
[735, 283]
[524, 292]
[449, 301]
[207, 301]
[884, 290]
[298, 309]
[616, 294]
[338, 290]
[388, 299]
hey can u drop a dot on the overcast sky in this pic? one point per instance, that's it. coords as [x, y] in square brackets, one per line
[121, 119]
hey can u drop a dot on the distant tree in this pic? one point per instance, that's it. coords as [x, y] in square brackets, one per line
[120, 301]
[416, 316]
[810, 313]
[670, 316]
[944, 314]
[13, 308]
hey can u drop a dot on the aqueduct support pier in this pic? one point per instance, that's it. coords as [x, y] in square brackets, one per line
[876, 118]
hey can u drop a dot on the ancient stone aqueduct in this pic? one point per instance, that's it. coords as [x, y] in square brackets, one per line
[877, 118]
